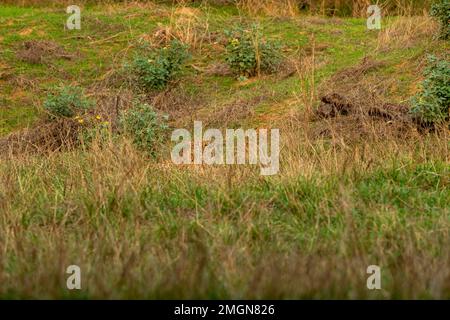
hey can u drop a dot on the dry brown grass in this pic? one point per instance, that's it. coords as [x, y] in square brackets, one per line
[188, 25]
[145, 228]
[42, 52]
[306, 68]
[355, 8]
[92, 209]
[46, 137]
[404, 32]
[287, 8]
[355, 106]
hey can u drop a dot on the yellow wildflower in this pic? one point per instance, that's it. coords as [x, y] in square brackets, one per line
[98, 117]
[80, 121]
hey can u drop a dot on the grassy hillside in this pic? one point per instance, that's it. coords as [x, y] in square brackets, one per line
[352, 191]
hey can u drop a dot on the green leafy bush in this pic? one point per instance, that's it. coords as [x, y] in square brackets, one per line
[441, 11]
[161, 66]
[66, 101]
[146, 127]
[432, 104]
[249, 53]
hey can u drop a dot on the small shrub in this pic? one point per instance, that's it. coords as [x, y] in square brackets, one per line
[95, 129]
[249, 53]
[161, 66]
[146, 127]
[432, 104]
[441, 11]
[66, 101]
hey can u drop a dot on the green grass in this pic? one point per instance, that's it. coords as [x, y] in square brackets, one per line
[388, 213]
[347, 40]
[145, 228]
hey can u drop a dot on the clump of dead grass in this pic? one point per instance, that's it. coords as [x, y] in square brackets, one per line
[47, 137]
[177, 102]
[42, 51]
[405, 32]
[274, 8]
[187, 25]
[353, 107]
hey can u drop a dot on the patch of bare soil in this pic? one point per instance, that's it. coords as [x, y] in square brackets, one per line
[46, 137]
[338, 116]
[42, 52]
[353, 107]
[333, 105]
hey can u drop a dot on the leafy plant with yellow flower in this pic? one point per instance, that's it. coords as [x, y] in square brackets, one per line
[96, 128]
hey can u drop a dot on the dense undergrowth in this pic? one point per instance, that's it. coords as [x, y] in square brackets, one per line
[362, 184]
